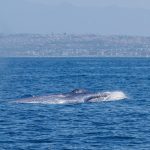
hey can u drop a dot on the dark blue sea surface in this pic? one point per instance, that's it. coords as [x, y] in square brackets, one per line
[118, 125]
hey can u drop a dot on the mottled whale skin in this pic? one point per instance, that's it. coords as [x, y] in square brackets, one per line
[76, 96]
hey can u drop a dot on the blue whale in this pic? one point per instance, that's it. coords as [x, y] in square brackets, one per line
[75, 96]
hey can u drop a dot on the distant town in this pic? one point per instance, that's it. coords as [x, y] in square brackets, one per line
[73, 45]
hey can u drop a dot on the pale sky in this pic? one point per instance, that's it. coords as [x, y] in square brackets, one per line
[101, 3]
[129, 17]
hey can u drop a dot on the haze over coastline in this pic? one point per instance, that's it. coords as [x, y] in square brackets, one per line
[67, 28]
[73, 45]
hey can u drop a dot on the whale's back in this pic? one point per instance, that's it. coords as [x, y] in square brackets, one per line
[76, 96]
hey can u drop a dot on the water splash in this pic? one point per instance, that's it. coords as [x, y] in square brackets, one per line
[116, 95]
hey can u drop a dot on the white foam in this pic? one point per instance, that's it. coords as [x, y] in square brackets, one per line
[115, 95]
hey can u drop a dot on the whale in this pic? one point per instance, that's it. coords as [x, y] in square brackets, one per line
[75, 96]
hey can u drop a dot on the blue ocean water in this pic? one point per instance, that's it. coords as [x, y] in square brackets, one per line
[118, 125]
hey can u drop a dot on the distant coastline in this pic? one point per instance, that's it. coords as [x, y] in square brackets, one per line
[73, 45]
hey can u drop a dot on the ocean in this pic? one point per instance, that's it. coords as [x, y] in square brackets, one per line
[119, 125]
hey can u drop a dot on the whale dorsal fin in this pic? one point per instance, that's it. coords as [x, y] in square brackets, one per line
[79, 91]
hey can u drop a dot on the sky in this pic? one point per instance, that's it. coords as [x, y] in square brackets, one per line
[107, 17]
[123, 3]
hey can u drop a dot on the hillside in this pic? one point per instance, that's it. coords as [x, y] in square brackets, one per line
[67, 45]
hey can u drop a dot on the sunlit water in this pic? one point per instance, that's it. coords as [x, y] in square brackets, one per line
[122, 125]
